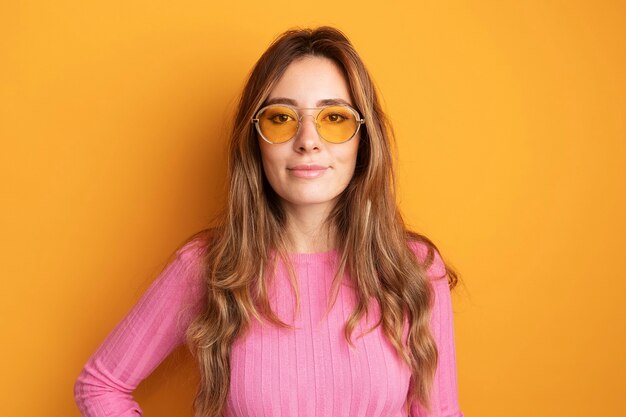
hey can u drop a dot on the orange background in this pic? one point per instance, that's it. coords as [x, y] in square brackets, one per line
[512, 153]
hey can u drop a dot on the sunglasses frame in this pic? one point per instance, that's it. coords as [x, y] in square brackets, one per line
[297, 110]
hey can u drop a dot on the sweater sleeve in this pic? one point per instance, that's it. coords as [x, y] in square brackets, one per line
[444, 392]
[143, 339]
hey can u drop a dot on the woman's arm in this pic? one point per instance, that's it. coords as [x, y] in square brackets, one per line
[444, 392]
[143, 339]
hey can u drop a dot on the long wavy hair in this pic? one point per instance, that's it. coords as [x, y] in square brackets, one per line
[373, 240]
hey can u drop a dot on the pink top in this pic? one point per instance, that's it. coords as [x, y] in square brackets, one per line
[309, 371]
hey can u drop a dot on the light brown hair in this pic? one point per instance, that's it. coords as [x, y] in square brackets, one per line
[374, 242]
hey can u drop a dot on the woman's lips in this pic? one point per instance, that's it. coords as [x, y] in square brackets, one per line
[307, 171]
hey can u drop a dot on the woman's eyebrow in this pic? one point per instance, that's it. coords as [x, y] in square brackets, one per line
[294, 103]
[332, 101]
[281, 100]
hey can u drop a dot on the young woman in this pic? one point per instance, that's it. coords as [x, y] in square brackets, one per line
[310, 297]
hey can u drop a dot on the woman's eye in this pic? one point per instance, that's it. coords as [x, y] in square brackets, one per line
[280, 118]
[335, 118]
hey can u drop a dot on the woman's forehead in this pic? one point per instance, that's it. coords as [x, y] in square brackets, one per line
[311, 81]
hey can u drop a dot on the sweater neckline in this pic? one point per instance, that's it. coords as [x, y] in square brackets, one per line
[312, 257]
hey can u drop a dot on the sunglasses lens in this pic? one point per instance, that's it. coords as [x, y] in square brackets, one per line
[278, 123]
[337, 124]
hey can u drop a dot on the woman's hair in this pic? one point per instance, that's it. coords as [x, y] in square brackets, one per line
[373, 240]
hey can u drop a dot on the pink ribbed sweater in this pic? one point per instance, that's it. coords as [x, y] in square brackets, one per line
[309, 371]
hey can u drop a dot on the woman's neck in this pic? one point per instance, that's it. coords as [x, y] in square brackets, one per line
[308, 231]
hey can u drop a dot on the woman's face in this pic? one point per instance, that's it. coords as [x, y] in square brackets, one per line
[307, 170]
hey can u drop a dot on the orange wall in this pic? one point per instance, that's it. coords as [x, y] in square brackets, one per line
[512, 142]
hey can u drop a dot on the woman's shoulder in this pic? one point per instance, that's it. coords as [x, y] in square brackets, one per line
[428, 256]
[195, 247]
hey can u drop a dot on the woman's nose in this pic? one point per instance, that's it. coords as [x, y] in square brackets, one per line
[307, 138]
